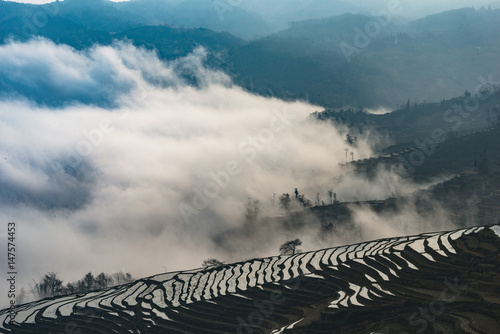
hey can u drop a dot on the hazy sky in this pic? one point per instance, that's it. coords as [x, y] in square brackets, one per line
[48, 1]
[416, 6]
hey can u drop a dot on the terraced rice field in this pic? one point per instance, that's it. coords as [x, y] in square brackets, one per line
[446, 282]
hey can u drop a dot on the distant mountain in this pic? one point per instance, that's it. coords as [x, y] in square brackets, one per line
[416, 121]
[93, 14]
[81, 23]
[280, 13]
[333, 62]
[173, 42]
[214, 15]
[57, 29]
[99, 15]
[9, 9]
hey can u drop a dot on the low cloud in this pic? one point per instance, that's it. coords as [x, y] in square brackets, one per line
[129, 163]
[58, 76]
[114, 184]
[379, 111]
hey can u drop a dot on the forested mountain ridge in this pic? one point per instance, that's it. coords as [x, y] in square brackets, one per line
[333, 62]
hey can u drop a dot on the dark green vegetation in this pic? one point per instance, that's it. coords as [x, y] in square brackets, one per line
[414, 124]
[435, 139]
[63, 25]
[426, 60]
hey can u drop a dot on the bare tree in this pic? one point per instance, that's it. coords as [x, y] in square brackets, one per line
[252, 211]
[22, 297]
[212, 262]
[285, 201]
[103, 281]
[290, 247]
[121, 278]
[89, 282]
[306, 203]
[351, 140]
[49, 286]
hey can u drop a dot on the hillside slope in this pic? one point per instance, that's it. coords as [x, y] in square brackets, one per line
[428, 59]
[445, 282]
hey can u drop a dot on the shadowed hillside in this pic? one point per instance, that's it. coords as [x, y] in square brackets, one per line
[444, 282]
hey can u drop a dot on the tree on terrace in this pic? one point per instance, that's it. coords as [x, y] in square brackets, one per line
[211, 262]
[290, 247]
